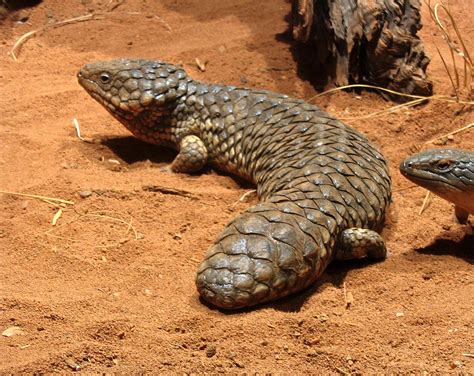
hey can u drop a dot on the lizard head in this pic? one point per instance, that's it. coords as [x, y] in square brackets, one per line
[130, 89]
[446, 172]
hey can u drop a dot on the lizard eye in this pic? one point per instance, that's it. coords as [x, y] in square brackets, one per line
[105, 77]
[443, 164]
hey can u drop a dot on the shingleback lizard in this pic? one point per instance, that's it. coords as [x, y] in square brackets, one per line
[448, 173]
[323, 187]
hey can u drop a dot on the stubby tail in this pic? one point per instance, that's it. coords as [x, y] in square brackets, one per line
[269, 251]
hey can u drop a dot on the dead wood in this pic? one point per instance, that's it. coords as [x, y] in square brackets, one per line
[363, 41]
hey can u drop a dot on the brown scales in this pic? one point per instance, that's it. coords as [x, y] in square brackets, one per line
[324, 188]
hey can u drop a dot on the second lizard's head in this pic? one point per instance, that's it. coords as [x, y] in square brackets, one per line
[132, 88]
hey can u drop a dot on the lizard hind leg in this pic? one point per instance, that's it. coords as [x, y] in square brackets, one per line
[354, 243]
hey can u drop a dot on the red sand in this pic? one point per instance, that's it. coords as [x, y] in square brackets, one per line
[87, 293]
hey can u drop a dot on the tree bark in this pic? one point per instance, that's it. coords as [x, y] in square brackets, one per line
[363, 41]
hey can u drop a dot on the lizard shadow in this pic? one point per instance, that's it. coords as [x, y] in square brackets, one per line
[131, 150]
[334, 275]
[463, 248]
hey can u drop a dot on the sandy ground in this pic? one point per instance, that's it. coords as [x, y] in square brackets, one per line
[110, 288]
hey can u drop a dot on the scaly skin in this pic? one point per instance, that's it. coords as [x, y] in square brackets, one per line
[323, 187]
[448, 173]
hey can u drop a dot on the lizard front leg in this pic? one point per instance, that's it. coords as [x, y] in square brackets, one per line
[192, 155]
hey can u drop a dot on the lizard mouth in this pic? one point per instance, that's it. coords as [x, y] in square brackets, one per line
[96, 92]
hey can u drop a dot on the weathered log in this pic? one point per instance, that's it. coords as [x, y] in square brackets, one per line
[363, 41]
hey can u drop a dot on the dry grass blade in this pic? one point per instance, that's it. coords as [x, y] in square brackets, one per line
[56, 204]
[75, 122]
[440, 98]
[129, 224]
[452, 41]
[246, 195]
[367, 87]
[113, 4]
[465, 51]
[387, 110]
[460, 130]
[56, 217]
[20, 42]
[25, 37]
[425, 202]
[201, 65]
[78, 218]
[448, 39]
[404, 188]
[164, 23]
[455, 86]
[42, 198]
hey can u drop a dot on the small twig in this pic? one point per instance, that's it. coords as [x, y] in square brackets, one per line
[43, 198]
[167, 191]
[244, 197]
[200, 65]
[111, 6]
[164, 23]
[31, 34]
[56, 217]
[341, 371]
[468, 355]
[63, 225]
[425, 202]
[20, 41]
[75, 122]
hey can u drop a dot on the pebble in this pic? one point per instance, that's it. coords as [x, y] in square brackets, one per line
[85, 194]
[72, 364]
[211, 351]
[323, 317]
[427, 276]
